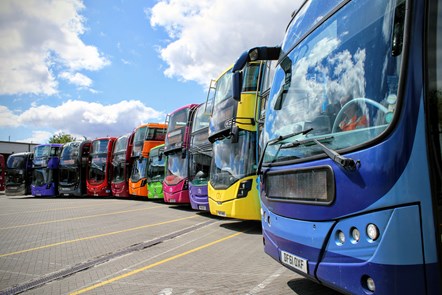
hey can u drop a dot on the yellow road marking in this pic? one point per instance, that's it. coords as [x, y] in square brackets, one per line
[77, 218]
[94, 237]
[117, 278]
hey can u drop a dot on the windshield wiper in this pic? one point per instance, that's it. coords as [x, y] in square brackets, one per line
[347, 163]
[275, 141]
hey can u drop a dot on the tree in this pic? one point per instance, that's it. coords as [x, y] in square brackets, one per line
[61, 138]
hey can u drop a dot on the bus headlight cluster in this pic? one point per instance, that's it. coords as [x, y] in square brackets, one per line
[371, 231]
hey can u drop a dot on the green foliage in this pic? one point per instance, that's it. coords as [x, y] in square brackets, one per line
[61, 138]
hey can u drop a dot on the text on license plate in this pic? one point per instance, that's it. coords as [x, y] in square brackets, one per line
[294, 261]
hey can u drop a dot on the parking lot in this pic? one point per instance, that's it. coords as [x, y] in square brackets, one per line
[133, 246]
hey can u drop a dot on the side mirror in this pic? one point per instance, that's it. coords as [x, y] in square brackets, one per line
[160, 156]
[237, 85]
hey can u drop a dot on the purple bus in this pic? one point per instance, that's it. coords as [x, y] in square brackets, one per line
[200, 157]
[45, 169]
[176, 183]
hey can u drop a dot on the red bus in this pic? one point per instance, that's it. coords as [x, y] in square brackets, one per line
[99, 177]
[122, 165]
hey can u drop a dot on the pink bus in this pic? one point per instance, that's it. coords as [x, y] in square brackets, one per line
[176, 148]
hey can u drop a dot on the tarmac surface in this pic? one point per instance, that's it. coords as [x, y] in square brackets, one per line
[134, 246]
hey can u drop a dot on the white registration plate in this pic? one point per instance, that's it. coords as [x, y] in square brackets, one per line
[221, 213]
[294, 261]
[201, 207]
[172, 201]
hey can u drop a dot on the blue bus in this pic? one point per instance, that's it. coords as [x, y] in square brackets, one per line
[200, 157]
[350, 158]
[45, 166]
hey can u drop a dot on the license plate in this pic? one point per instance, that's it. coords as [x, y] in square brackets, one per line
[202, 207]
[294, 261]
[172, 201]
[221, 213]
[66, 195]
[95, 195]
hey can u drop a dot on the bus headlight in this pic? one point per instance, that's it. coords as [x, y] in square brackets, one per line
[372, 231]
[340, 237]
[355, 234]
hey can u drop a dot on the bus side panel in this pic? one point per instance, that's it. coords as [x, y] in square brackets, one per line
[225, 203]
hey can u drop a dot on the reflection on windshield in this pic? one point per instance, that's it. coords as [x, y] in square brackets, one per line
[176, 165]
[16, 162]
[97, 170]
[341, 80]
[69, 153]
[139, 169]
[155, 170]
[232, 161]
[42, 176]
[119, 170]
[69, 176]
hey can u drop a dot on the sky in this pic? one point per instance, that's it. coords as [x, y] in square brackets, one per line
[103, 67]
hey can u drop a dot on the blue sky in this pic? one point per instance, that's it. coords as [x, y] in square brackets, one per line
[102, 67]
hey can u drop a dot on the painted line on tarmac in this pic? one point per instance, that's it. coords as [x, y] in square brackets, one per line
[95, 237]
[54, 209]
[78, 218]
[45, 279]
[131, 273]
[267, 281]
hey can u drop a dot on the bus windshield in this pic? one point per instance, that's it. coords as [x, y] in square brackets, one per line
[326, 83]
[177, 166]
[155, 171]
[16, 162]
[230, 163]
[139, 169]
[97, 169]
[42, 151]
[69, 175]
[69, 154]
[42, 176]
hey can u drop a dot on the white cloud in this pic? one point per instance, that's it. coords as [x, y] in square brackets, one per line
[208, 36]
[38, 38]
[77, 79]
[81, 118]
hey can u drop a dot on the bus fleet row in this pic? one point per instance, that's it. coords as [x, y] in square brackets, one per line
[336, 149]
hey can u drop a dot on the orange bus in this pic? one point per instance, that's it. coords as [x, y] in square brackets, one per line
[147, 136]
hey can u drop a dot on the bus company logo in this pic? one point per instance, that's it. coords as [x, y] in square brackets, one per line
[228, 123]
[218, 196]
[199, 191]
[170, 189]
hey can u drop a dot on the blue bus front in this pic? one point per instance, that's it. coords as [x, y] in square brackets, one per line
[45, 170]
[349, 187]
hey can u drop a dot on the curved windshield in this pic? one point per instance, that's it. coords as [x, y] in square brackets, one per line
[69, 153]
[155, 171]
[201, 118]
[121, 144]
[119, 170]
[177, 166]
[139, 169]
[16, 162]
[69, 175]
[100, 146]
[341, 81]
[97, 170]
[233, 161]
[140, 135]
[42, 151]
[199, 167]
[42, 176]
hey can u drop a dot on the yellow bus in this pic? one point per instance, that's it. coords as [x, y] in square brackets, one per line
[233, 131]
